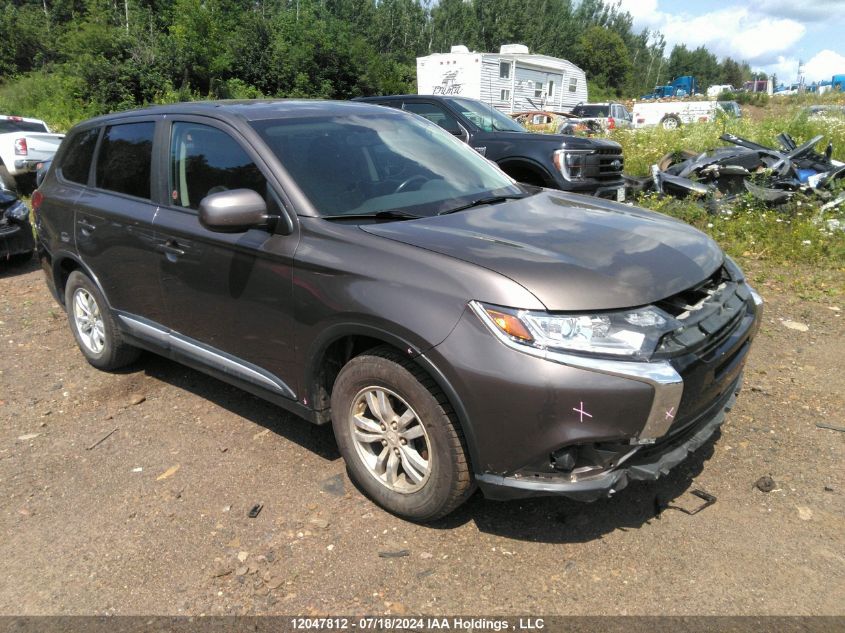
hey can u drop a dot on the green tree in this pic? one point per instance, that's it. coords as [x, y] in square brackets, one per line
[602, 54]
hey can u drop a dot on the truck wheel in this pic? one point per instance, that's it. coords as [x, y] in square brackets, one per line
[93, 325]
[399, 436]
[6, 180]
[671, 122]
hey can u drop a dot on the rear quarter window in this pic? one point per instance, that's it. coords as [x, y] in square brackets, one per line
[77, 159]
[125, 158]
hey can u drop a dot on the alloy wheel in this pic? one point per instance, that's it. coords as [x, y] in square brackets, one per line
[390, 439]
[89, 321]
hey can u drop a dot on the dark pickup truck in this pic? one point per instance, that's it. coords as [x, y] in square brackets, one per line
[569, 163]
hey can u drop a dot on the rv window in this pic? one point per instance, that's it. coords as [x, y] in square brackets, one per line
[506, 95]
[538, 89]
[573, 84]
[504, 70]
[551, 90]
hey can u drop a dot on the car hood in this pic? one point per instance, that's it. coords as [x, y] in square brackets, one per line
[570, 142]
[572, 252]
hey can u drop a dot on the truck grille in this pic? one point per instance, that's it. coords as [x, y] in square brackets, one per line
[609, 165]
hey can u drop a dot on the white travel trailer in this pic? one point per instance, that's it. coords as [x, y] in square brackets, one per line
[511, 80]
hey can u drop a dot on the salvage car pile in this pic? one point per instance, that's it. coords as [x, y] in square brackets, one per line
[770, 175]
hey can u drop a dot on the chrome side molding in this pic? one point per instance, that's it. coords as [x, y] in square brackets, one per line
[204, 354]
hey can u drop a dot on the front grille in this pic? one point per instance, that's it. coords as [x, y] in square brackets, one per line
[611, 164]
[709, 313]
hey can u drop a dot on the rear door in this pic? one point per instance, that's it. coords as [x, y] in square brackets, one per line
[55, 218]
[231, 293]
[114, 219]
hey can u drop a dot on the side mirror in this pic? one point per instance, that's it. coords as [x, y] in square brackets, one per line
[233, 211]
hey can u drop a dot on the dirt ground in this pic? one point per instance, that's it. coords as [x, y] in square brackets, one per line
[153, 519]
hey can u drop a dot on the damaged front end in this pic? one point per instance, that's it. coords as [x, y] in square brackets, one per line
[16, 240]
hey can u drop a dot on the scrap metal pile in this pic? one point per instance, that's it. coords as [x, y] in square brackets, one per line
[771, 175]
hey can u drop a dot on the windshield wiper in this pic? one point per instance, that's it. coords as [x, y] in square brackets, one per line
[379, 215]
[481, 202]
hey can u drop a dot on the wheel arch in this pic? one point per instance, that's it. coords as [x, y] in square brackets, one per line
[340, 344]
[515, 165]
[63, 265]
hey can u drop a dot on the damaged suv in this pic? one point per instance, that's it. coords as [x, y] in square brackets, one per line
[359, 266]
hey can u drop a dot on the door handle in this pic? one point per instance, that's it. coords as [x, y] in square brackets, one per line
[86, 225]
[171, 247]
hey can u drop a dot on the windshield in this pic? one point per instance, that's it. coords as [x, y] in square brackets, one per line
[486, 117]
[14, 125]
[380, 161]
[597, 111]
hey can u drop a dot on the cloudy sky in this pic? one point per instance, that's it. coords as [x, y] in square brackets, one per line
[772, 35]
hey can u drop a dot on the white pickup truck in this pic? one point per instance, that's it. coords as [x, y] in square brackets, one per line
[672, 114]
[24, 143]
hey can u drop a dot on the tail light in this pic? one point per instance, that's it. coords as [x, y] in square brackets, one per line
[611, 123]
[640, 120]
[20, 147]
[35, 202]
[37, 199]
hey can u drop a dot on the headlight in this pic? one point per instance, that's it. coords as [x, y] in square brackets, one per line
[18, 211]
[572, 162]
[632, 333]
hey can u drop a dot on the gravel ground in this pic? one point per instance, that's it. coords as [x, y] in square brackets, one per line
[153, 518]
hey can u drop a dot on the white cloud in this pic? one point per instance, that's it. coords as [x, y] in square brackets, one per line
[821, 67]
[731, 32]
[824, 65]
[815, 11]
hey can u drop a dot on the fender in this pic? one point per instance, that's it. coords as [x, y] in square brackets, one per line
[339, 331]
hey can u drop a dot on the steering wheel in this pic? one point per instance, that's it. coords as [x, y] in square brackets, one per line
[405, 183]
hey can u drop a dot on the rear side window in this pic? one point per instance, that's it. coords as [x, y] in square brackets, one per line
[205, 160]
[123, 164]
[77, 161]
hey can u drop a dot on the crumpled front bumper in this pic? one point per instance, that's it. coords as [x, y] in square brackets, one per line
[647, 464]
[15, 238]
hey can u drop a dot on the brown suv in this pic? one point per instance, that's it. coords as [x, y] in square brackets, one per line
[359, 265]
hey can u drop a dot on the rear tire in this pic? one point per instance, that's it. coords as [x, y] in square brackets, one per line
[671, 122]
[399, 436]
[93, 325]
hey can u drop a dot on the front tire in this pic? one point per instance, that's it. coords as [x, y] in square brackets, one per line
[93, 326]
[399, 436]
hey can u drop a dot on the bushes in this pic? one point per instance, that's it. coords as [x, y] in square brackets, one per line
[50, 96]
[751, 98]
